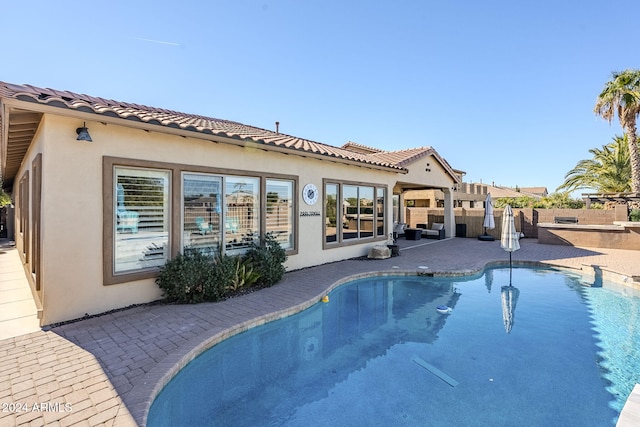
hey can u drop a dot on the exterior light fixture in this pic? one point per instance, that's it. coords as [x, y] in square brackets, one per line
[83, 134]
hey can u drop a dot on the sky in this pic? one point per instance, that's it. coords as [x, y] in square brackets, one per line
[503, 90]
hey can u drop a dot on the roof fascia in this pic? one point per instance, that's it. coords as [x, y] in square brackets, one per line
[4, 133]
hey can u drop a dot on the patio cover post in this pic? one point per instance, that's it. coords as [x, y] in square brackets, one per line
[449, 213]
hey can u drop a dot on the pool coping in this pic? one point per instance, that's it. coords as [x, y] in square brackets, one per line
[137, 403]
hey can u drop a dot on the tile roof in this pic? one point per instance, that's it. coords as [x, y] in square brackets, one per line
[184, 121]
[535, 190]
[359, 148]
[403, 157]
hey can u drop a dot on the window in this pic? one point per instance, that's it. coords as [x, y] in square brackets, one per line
[202, 212]
[24, 214]
[279, 211]
[362, 211]
[36, 195]
[331, 212]
[380, 212]
[366, 220]
[242, 213]
[350, 212]
[155, 210]
[141, 219]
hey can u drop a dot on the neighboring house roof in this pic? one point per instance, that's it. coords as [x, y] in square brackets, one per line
[539, 191]
[497, 192]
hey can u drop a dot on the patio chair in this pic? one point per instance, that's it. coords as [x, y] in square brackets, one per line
[231, 224]
[203, 227]
[127, 220]
[435, 232]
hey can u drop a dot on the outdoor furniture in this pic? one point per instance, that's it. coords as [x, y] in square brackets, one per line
[413, 233]
[231, 225]
[435, 232]
[395, 250]
[127, 220]
[398, 230]
[203, 227]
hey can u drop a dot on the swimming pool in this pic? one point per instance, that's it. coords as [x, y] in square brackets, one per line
[379, 354]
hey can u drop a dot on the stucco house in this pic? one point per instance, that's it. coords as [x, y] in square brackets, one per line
[105, 192]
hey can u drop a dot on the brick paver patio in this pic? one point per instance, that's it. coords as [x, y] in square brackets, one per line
[106, 370]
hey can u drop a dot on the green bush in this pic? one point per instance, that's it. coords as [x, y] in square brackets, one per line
[194, 277]
[189, 278]
[232, 273]
[634, 215]
[267, 259]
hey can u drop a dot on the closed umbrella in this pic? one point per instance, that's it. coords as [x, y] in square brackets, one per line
[489, 222]
[509, 239]
[509, 296]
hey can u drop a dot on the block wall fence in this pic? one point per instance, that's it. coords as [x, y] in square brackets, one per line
[526, 220]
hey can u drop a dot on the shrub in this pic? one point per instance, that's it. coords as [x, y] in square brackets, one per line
[267, 259]
[634, 215]
[232, 273]
[189, 278]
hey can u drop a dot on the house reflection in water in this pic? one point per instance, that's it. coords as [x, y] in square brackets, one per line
[321, 346]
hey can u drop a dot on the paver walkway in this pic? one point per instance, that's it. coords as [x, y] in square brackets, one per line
[105, 370]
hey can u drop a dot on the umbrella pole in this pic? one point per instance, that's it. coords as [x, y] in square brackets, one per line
[510, 271]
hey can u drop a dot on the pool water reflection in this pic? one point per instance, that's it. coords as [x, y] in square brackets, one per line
[352, 361]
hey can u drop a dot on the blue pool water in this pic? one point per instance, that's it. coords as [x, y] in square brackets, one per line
[379, 354]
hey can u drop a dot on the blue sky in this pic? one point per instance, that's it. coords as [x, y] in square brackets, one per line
[502, 89]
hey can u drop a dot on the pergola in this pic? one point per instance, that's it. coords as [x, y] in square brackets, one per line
[603, 198]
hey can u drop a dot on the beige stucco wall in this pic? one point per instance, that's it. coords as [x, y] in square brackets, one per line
[72, 207]
[428, 170]
[72, 204]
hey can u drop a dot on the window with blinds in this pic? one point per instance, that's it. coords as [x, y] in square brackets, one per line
[141, 218]
[202, 212]
[242, 213]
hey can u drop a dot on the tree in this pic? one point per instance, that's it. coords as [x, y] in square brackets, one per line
[514, 202]
[609, 171]
[559, 200]
[621, 97]
[5, 199]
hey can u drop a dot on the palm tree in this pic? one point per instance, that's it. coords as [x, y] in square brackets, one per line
[609, 171]
[621, 97]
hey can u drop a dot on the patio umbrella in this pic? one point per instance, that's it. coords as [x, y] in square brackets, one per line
[509, 239]
[489, 221]
[509, 296]
[488, 279]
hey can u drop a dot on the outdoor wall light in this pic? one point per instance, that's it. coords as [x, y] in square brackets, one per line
[83, 134]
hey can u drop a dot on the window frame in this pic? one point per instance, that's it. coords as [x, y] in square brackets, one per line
[175, 208]
[293, 216]
[36, 201]
[149, 217]
[340, 241]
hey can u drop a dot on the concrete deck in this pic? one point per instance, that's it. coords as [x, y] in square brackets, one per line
[18, 311]
[105, 371]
